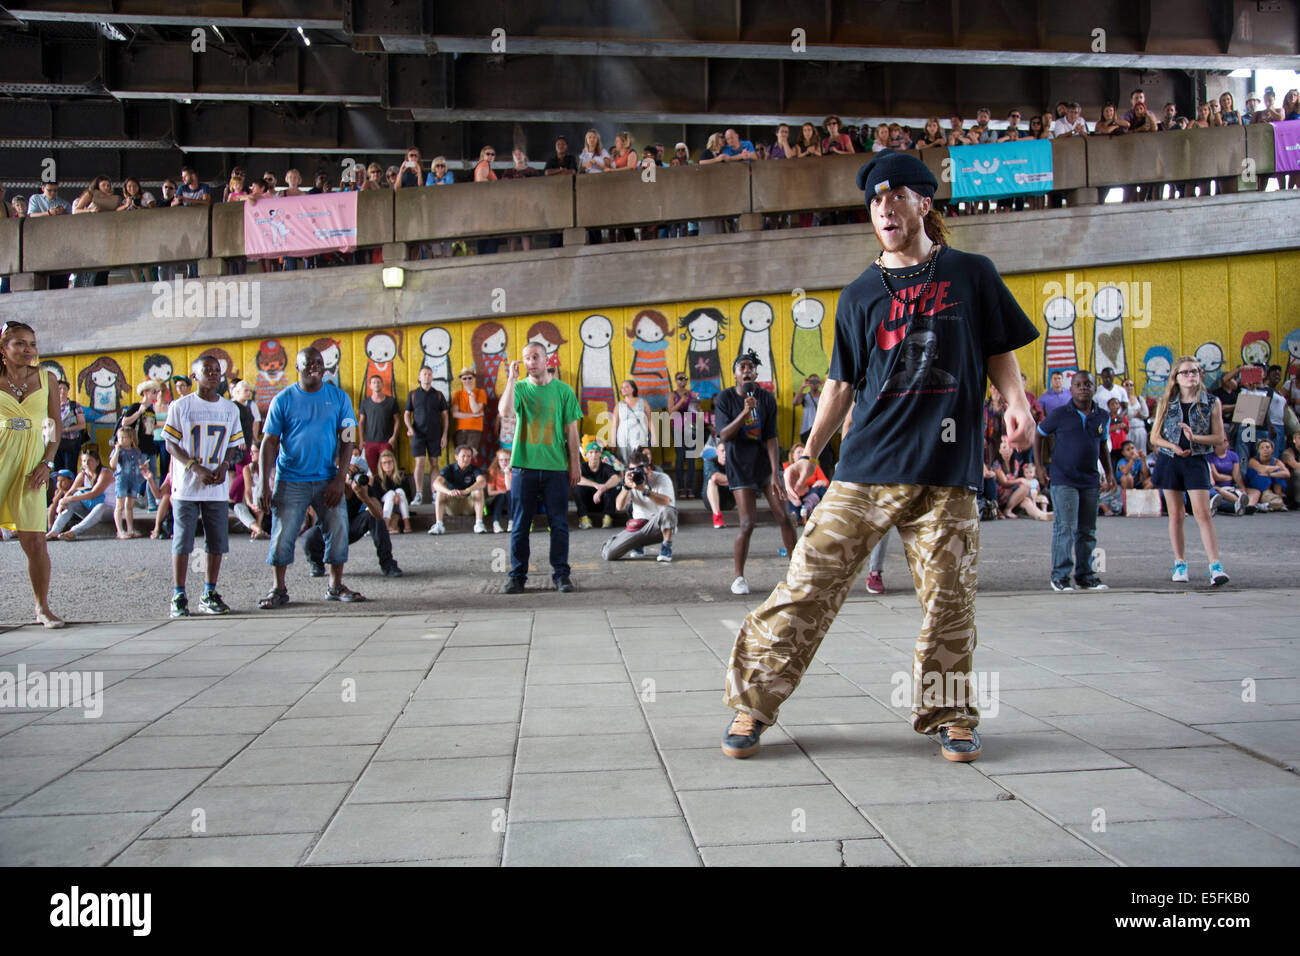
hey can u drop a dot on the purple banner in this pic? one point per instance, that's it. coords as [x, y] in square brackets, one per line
[1286, 145]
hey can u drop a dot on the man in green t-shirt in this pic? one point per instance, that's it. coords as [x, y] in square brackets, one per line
[544, 462]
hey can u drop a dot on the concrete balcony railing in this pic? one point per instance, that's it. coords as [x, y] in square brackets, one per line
[570, 205]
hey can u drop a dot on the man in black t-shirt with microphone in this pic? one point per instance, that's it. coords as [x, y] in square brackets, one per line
[916, 337]
[745, 419]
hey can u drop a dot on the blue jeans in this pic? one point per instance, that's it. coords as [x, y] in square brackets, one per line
[289, 508]
[526, 484]
[1074, 531]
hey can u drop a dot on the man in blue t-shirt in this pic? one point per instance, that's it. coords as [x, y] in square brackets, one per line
[917, 336]
[192, 192]
[737, 148]
[307, 443]
[1082, 441]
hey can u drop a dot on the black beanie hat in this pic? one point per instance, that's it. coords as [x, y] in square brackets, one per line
[889, 170]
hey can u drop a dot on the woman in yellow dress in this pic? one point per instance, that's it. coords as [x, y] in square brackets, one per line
[28, 399]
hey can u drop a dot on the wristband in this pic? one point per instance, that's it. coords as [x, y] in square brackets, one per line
[805, 458]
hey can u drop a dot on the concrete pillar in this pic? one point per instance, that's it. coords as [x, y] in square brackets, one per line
[1083, 196]
[575, 236]
[395, 252]
[209, 268]
[28, 282]
[751, 222]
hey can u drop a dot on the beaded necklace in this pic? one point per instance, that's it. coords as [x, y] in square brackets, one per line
[933, 264]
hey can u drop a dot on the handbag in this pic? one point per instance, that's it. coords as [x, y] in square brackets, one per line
[636, 524]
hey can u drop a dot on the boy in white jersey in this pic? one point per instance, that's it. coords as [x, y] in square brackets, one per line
[205, 440]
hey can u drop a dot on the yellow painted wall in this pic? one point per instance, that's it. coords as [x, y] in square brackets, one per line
[1191, 305]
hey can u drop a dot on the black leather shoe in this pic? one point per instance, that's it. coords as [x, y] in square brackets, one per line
[565, 585]
[513, 586]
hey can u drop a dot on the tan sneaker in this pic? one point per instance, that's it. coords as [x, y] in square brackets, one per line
[960, 743]
[741, 738]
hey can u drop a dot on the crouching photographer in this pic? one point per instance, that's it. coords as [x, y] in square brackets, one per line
[654, 512]
[365, 514]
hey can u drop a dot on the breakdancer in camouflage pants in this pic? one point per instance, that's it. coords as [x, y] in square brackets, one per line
[915, 337]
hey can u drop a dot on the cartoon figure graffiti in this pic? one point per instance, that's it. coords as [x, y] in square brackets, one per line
[272, 360]
[756, 317]
[331, 352]
[1108, 331]
[488, 347]
[1255, 348]
[1158, 362]
[104, 385]
[596, 364]
[807, 354]
[649, 334]
[548, 336]
[158, 368]
[49, 365]
[381, 349]
[704, 328]
[1210, 355]
[435, 343]
[1060, 354]
[1291, 349]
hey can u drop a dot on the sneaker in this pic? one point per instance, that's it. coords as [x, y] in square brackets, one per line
[607, 522]
[717, 520]
[1239, 507]
[513, 586]
[1061, 585]
[636, 553]
[1214, 503]
[665, 553]
[392, 571]
[740, 586]
[1092, 584]
[741, 738]
[510, 525]
[438, 528]
[496, 527]
[1180, 572]
[565, 585]
[317, 569]
[782, 552]
[960, 743]
[479, 528]
[584, 522]
[417, 501]
[180, 606]
[211, 603]
[1218, 576]
[1250, 509]
[875, 583]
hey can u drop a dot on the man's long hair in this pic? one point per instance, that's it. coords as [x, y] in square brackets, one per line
[935, 228]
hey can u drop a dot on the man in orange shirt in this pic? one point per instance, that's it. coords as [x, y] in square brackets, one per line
[467, 406]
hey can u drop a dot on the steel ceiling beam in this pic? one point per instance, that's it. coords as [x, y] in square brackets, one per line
[265, 14]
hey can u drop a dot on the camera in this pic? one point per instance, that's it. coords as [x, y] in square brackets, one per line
[362, 480]
[638, 476]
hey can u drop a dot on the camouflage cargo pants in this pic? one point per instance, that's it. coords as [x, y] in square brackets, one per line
[940, 531]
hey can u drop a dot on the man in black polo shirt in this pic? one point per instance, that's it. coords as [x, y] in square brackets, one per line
[562, 161]
[426, 424]
[1080, 427]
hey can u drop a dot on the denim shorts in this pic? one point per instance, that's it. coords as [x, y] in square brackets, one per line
[127, 480]
[1173, 473]
[216, 525]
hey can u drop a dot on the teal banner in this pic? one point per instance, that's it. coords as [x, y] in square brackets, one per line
[998, 170]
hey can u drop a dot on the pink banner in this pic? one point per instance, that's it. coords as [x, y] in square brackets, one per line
[1286, 145]
[300, 225]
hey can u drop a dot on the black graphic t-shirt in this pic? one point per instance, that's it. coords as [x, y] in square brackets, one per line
[747, 452]
[918, 370]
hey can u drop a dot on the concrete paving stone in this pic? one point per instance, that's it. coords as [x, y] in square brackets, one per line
[1064, 701]
[424, 743]
[1138, 687]
[974, 834]
[1029, 647]
[1270, 808]
[701, 731]
[115, 660]
[1206, 669]
[240, 690]
[834, 710]
[685, 703]
[294, 666]
[11, 720]
[402, 661]
[870, 853]
[573, 656]
[581, 695]
[418, 781]
[279, 849]
[1125, 795]
[78, 840]
[584, 721]
[633, 751]
[1222, 841]
[447, 688]
[166, 753]
[326, 731]
[1132, 730]
[485, 652]
[1072, 664]
[576, 674]
[686, 657]
[654, 841]
[1213, 768]
[860, 652]
[896, 739]
[1047, 752]
[139, 699]
[175, 667]
[924, 778]
[435, 713]
[1001, 719]
[478, 669]
[188, 720]
[393, 832]
[87, 738]
[1215, 708]
[595, 795]
[343, 695]
[505, 631]
[783, 765]
[819, 685]
[224, 652]
[672, 681]
[24, 775]
[239, 811]
[772, 815]
[322, 642]
[292, 765]
[87, 639]
[109, 791]
[821, 853]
